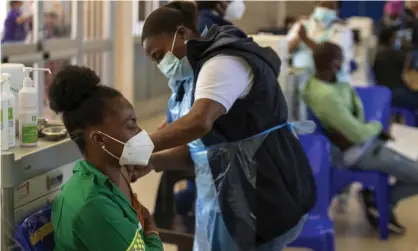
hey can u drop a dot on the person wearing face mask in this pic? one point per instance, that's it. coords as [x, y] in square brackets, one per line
[323, 25]
[210, 13]
[229, 118]
[219, 12]
[96, 209]
[341, 115]
[14, 25]
[402, 24]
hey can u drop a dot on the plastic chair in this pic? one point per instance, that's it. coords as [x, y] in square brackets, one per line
[376, 103]
[36, 232]
[408, 115]
[318, 232]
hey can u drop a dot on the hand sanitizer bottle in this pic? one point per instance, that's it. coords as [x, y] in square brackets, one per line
[28, 109]
[7, 95]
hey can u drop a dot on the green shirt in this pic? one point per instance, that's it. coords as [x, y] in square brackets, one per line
[334, 106]
[91, 213]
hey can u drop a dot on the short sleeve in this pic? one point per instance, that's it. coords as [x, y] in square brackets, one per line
[224, 79]
[100, 225]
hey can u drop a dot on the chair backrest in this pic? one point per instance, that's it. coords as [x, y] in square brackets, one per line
[317, 149]
[36, 232]
[376, 102]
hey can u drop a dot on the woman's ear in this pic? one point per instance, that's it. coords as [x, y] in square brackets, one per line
[184, 33]
[97, 139]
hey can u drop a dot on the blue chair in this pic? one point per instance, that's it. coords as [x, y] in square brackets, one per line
[318, 232]
[376, 103]
[36, 232]
[408, 115]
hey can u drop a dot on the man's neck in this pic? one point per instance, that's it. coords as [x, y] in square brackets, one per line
[325, 76]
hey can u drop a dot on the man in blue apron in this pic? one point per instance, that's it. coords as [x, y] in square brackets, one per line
[230, 124]
[323, 25]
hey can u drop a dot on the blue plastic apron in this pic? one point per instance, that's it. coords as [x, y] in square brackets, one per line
[210, 232]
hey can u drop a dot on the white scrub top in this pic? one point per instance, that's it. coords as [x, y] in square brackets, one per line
[337, 33]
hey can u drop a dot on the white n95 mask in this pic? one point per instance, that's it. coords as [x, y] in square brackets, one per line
[235, 10]
[136, 151]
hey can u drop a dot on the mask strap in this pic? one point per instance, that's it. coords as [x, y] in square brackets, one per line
[110, 137]
[111, 154]
[174, 40]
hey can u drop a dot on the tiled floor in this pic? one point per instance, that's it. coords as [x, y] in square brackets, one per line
[352, 231]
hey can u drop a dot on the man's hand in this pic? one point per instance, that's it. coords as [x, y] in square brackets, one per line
[163, 124]
[385, 136]
[140, 171]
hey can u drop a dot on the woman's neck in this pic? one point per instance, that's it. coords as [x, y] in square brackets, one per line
[117, 174]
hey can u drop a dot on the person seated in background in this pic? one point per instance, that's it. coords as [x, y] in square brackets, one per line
[388, 69]
[395, 19]
[355, 141]
[323, 25]
[97, 209]
[219, 13]
[14, 25]
[411, 13]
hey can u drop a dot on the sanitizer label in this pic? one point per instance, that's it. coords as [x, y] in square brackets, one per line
[10, 117]
[29, 134]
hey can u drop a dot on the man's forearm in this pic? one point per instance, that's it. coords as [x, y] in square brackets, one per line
[175, 159]
[293, 44]
[183, 131]
[310, 43]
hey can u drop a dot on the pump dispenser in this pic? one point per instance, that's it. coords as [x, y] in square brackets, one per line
[28, 109]
[10, 109]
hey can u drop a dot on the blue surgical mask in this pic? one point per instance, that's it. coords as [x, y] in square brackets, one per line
[324, 15]
[174, 68]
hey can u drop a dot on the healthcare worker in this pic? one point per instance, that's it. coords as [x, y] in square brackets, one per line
[254, 182]
[210, 13]
[14, 25]
[323, 25]
[219, 12]
[96, 209]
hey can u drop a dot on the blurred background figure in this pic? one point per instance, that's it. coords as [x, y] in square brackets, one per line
[219, 12]
[395, 18]
[389, 67]
[323, 25]
[16, 23]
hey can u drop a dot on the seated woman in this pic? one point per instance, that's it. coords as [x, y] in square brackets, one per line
[357, 142]
[388, 69]
[97, 209]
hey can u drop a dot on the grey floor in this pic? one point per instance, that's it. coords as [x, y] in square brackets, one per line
[352, 231]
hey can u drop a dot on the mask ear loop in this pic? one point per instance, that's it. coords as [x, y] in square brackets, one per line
[104, 147]
[174, 40]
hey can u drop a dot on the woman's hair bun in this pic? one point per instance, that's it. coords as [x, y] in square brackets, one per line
[187, 8]
[70, 87]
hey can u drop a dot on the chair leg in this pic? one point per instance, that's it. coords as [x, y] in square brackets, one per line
[330, 239]
[381, 195]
